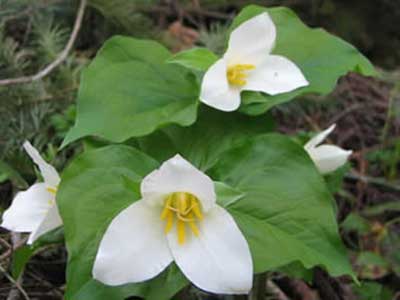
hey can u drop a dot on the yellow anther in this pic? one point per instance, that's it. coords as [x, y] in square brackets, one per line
[237, 74]
[185, 208]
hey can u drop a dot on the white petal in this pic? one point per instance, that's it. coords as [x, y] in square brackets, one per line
[28, 209]
[328, 158]
[48, 172]
[219, 259]
[134, 247]
[316, 140]
[251, 41]
[275, 75]
[51, 221]
[215, 89]
[178, 175]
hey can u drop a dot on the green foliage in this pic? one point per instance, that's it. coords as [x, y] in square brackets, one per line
[299, 43]
[292, 224]
[355, 222]
[372, 291]
[129, 83]
[197, 58]
[388, 159]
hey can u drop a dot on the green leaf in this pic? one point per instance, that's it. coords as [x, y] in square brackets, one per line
[128, 91]
[355, 222]
[286, 212]
[164, 286]
[372, 291]
[94, 189]
[199, 59]
[322, 57]
[268, 184]
[203, 143]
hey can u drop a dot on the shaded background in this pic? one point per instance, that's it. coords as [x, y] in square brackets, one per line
[366, 110]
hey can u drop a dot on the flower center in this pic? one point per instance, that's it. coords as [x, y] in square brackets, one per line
[185, 208]
[237, 74]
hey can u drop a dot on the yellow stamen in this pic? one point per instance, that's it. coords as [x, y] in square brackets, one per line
[52, 190]
[194, 228]
[166, 211]
[237, 74]
[185, 208]
[170, 221]
[180, 226]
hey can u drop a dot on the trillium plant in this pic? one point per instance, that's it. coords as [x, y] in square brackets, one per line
[182, 182]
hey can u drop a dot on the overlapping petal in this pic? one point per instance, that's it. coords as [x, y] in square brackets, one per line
[51, 221]
[219, 259]
[49, 173]
[134, 247]
[28, 209]
[275, 75]
[251, 41]
[178, 175]
[215, 89]
[319, 138]
[328, 158]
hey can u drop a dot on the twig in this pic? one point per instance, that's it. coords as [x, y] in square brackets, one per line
[55, 290]
[12, 296]
[376, 181]
[10, 250]
[61, 57]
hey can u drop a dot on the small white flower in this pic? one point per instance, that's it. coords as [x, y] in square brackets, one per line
[35, 209]
[327, 158]
[248, 65]
[178, 220]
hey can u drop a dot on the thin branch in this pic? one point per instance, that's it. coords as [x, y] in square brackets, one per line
[16, 284]
[395, 186]
[61, 57]
[11, 249]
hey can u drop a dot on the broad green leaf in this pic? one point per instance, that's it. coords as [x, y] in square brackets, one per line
[286, 212]
[268, 183]
[94, 189]
[199, 59]
[128, 91]
[322, 57]
[163, 286]
[202, 143]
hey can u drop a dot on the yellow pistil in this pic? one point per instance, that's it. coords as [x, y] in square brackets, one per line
[185, 208]
[237, 74]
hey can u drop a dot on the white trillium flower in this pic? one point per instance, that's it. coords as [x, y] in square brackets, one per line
[327, 158]
[248, 65]
[178, 220]
[35, 209]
